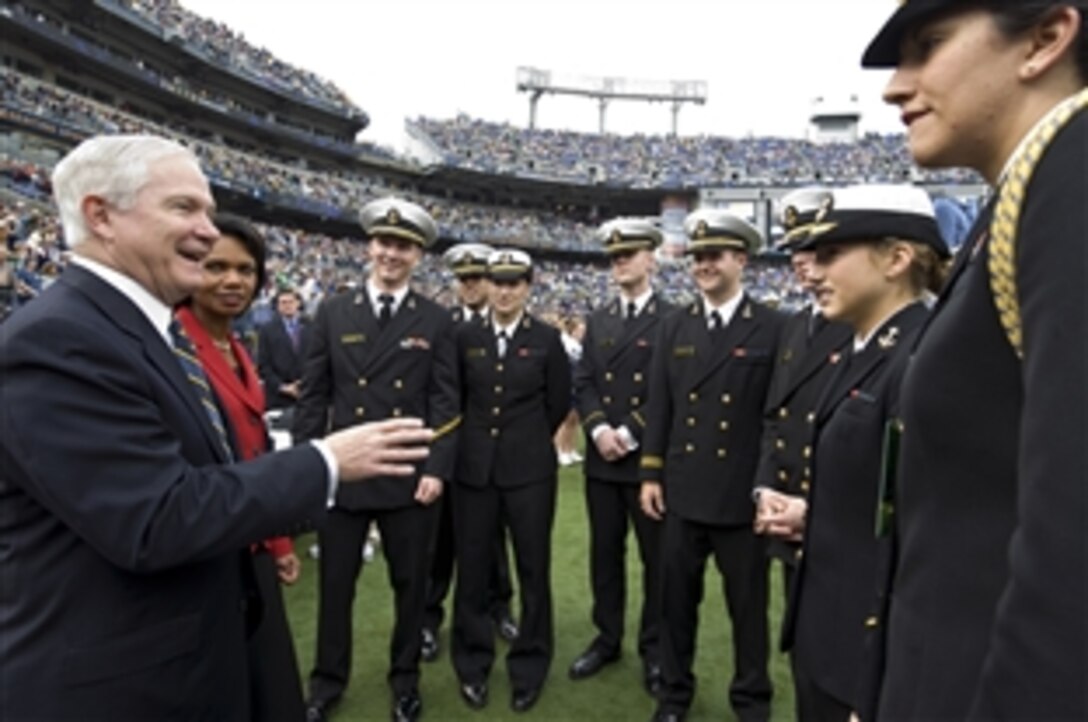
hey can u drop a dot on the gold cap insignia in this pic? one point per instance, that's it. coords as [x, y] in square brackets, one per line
[701, 229]
[825, 207]
[616, 237]
[392, 217]
[789, 217]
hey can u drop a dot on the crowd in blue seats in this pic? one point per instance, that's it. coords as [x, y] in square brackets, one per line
[655, 161]
[226, 47]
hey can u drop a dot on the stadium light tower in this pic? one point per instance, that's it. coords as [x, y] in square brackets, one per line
[537, 82]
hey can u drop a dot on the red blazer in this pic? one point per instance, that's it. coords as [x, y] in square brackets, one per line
[241, 398]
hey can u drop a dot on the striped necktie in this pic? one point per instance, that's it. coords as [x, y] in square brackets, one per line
[194, 372]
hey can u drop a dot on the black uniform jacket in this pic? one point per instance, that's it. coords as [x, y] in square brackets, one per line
[705, 412]
[356, 371]
[808, 353]
[832, 596]
[989, 606]
[611, 380]
[512, 405]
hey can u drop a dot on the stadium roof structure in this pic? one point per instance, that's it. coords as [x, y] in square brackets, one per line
[537, 82]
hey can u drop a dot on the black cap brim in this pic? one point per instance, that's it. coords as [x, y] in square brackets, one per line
[883, 50]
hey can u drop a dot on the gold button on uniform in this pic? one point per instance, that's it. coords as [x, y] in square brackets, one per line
[607, 399]
[396, 412]
[783, 413]
[494, 432]
[727, 399]
[691, 421]
[638, 377]
[806, 452]
[723, 425]
[872, 622]
[805, 486]
[689, 448]
[811, 418]
[398, 384]
[780, 444]
[359, 411]
[721, 453]
[635, 400]
[800, 553]
[608, 376]
[495, 411]
[498, 389]
[498, 367]
[362, 382]
[783, 476]
[693, 396]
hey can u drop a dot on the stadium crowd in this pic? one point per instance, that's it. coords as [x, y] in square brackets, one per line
[224, 46]
[655, 161]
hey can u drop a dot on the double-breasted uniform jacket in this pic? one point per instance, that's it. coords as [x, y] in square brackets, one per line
[611, 380]
[808, 353]
[988, 608]
[828, 614]
[512, 405]
[357, 371]
[704, 417]
[279, 361]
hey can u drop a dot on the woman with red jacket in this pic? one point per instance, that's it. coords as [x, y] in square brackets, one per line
[233, 273]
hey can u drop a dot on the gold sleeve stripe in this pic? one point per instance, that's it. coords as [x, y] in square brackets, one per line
[638, 417]
[652, 462]
[447, 428]
[593, 416]
[1002, 258]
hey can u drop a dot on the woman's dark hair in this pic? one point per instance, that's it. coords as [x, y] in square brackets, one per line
[1015, 17]
[250, 238]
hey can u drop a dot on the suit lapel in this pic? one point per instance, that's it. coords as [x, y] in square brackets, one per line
[129, 320]
[830, 339]
[850, 377]
[728, 343]
[388, 340]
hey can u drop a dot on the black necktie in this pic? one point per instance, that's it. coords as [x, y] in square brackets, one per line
[715, 321]
[632, 311]
[503, 338]
[386, 311]
[194, 372]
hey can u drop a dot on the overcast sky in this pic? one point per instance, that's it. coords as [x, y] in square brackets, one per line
[764, 61]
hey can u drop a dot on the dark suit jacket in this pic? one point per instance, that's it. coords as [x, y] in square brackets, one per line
[611, 379]
[512, 406]
[803, 366]
[356, 371]
[989, 605]
[120, 530]
[277, 360]
[705, 411]
[832, 595]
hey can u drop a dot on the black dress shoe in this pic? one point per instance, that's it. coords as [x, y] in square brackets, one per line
[429, 649]
[523, 699]
[475, 695]
[667, 716]
[507, 627]
[407, 708]
[317, 710]
[652, 679]
[590, 663]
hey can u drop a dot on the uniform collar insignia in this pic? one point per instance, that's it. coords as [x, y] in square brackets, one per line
[889, 338]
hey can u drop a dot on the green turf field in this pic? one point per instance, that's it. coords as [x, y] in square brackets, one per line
[614, 694]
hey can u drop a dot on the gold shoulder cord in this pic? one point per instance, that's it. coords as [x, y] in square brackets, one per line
[1002, 259]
